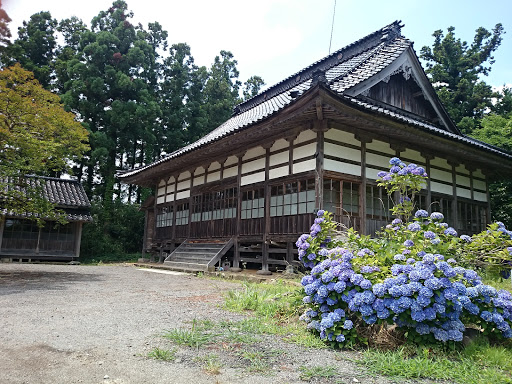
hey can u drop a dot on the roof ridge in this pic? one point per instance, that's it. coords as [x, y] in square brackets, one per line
[388, 32]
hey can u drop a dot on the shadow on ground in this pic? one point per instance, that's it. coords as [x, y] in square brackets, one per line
[13, 281]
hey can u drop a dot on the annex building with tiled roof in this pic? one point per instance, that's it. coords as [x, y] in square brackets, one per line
[21, 239]
[316, 140]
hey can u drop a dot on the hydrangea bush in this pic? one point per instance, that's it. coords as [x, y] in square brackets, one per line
[408, 276]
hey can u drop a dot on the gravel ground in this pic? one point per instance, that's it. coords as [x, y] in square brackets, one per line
[97, 324]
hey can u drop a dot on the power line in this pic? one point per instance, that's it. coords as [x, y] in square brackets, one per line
[332, 26]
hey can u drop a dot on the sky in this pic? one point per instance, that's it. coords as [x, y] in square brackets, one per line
[276, 38]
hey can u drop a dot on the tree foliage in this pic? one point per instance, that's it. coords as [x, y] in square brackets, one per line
[37, 136]
[455, 69]
[138, 97]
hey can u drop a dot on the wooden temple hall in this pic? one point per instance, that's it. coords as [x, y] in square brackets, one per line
[241, 195]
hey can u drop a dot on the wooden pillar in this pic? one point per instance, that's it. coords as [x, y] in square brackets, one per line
[2, 226]
[320, 127]
[236, 256]
[428, 157]
[78, 238]
[455, 208]
[362, 195]
[190, 201]
[266, 240]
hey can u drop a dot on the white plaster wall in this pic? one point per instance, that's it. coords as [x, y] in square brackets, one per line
[462, 169]
[479, 196]
[411, 154]
[279, 158]
[230, 161]
[303, 166]
[463, 181]
[214, 166]
[183, 195]
[254, 152]
[441, 163]
[214, 176]
[305, 136]
[378, 160]
[231, 171]
[341, 136]
[441, 188]
[463, 192]
[254, 178]
[342, 152]
[160, 200]
[371, 173]
[478, 173]
[336, 166]
[305, 151]
[278, 172]
[440, 175]
[381, 146]
[279, 144]
[199, 180]
[253, 165]
[183, 185]
[169, 197]
[479, 184]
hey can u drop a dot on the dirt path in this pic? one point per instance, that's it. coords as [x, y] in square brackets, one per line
[96, 324]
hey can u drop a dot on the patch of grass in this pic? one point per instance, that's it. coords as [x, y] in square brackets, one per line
[195, 338]
[461, 368]
[267, 300]
[210, 363]
[162, 354]
[257, 361]
[308, 373]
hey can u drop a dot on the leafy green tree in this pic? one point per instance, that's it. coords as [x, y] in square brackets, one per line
[5, 32]
[35, 47]
[455, 69]
[252, 87]
[36, 137]
[497, 130]
[221, 90]
[184, 118]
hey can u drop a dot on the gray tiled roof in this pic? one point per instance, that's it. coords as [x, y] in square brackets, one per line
[68, 195]
[343, 70]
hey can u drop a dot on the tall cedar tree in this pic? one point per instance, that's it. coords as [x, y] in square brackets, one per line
[455, 69]
[35, 47]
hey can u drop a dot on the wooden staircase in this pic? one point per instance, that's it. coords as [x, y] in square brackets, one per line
[198, 255]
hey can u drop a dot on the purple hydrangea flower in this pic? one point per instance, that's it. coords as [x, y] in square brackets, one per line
[450, 232]
[320, 213]
[414, 227]
[436, 216]
[408, 243]
[429, 235]
[395, 161]
[396, 221]
[466, 238]
[421, 214]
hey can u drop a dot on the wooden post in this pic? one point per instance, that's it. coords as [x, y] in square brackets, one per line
[266, 240]
[455, 208]
[2, 226]
[78, 238]
[428, 157]
[320, 127]
[236, 256]
[362, 194]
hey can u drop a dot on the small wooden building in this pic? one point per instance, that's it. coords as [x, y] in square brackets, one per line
[316, 140]
[22, 240]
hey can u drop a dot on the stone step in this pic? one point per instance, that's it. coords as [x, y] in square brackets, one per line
[187, 266]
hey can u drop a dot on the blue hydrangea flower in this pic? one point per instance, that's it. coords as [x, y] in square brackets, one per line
[466, 238]
[399, 257]
[320, 212]
[348, 324]
[381, 174]
[421, 214]
[395, 161]
[450, 232]
[436, 216]
[340, 338]
[414, 227]
[408, 243]
[396, 221]
[435, 241]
